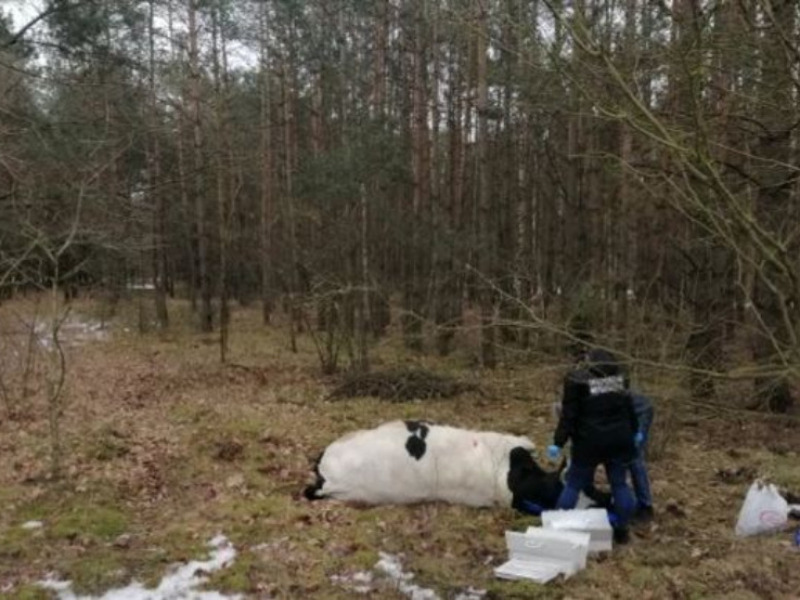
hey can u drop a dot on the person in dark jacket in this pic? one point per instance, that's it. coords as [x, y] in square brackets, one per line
[643, 408]
[598, 417]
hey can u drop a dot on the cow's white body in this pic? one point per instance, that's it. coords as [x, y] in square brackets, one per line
[458, 466]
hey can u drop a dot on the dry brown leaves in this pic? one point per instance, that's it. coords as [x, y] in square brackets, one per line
[179, 438]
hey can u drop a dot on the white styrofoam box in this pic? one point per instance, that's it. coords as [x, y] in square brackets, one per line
[588, 519]
[568, 547]
[593, 521]
[541, 555]
[520, 568]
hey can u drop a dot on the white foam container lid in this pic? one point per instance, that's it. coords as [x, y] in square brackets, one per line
[519, 568]
[569, 549]
[593, 521]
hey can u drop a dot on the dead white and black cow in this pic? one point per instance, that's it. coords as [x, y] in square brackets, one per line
[404, 462]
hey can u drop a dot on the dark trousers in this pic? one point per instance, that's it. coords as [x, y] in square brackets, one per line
[581, 475]
[641, 482]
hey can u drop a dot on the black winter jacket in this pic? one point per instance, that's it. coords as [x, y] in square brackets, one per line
[597, 415]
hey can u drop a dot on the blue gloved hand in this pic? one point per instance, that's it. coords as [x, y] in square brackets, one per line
[532, 508]
[553, 452]
[639, 439]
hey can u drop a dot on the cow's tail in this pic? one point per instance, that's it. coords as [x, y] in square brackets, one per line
[313, 491]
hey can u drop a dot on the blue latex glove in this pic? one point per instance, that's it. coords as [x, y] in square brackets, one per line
[553, 452]
[639, 438]
[532, 508]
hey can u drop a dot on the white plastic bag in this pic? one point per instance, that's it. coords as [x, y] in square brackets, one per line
[764, 510]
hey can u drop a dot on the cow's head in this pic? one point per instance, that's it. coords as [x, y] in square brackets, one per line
[535, 489]
[530, 485]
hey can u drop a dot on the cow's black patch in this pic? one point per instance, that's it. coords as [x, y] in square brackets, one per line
[312, 491]
[416, 447]
[415, 444]
[420, 428]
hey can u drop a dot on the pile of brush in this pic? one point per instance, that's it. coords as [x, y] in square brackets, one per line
[401, 385]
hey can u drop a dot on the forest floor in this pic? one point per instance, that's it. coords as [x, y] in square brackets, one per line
[166, 448]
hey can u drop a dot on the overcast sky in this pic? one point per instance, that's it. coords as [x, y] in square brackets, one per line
[22, 11]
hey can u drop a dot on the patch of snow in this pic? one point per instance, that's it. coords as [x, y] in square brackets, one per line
[73, 331]
[270, 546]
[32, 525]
[61, 588]
[359, 582]
[471, 593]
[388, 568]
[391, 566]
[179, 584]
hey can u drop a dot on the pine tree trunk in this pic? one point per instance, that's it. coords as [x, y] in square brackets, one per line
[486, 247]
[187, 218]
[363, 311]
[266, 204]
[159, 217]
[206, 309]
[414, 284]
[223, 209]
[448, 274]
[293, 308]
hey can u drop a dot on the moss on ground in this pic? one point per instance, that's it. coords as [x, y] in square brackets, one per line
[98, 572]
[238, 578]
[97, 523]
[786, 473]
[27, 591]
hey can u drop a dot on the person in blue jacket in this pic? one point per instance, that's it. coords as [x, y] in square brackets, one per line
[638, 468]
[598, 417]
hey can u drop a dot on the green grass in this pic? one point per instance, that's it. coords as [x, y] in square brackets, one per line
[103, 571]
[27, 591]
[644, 577]
[18, 544]
[785, 472]
[106, 444]
[238, 578]
[98, 523]
[75, 540]
[524, 590]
